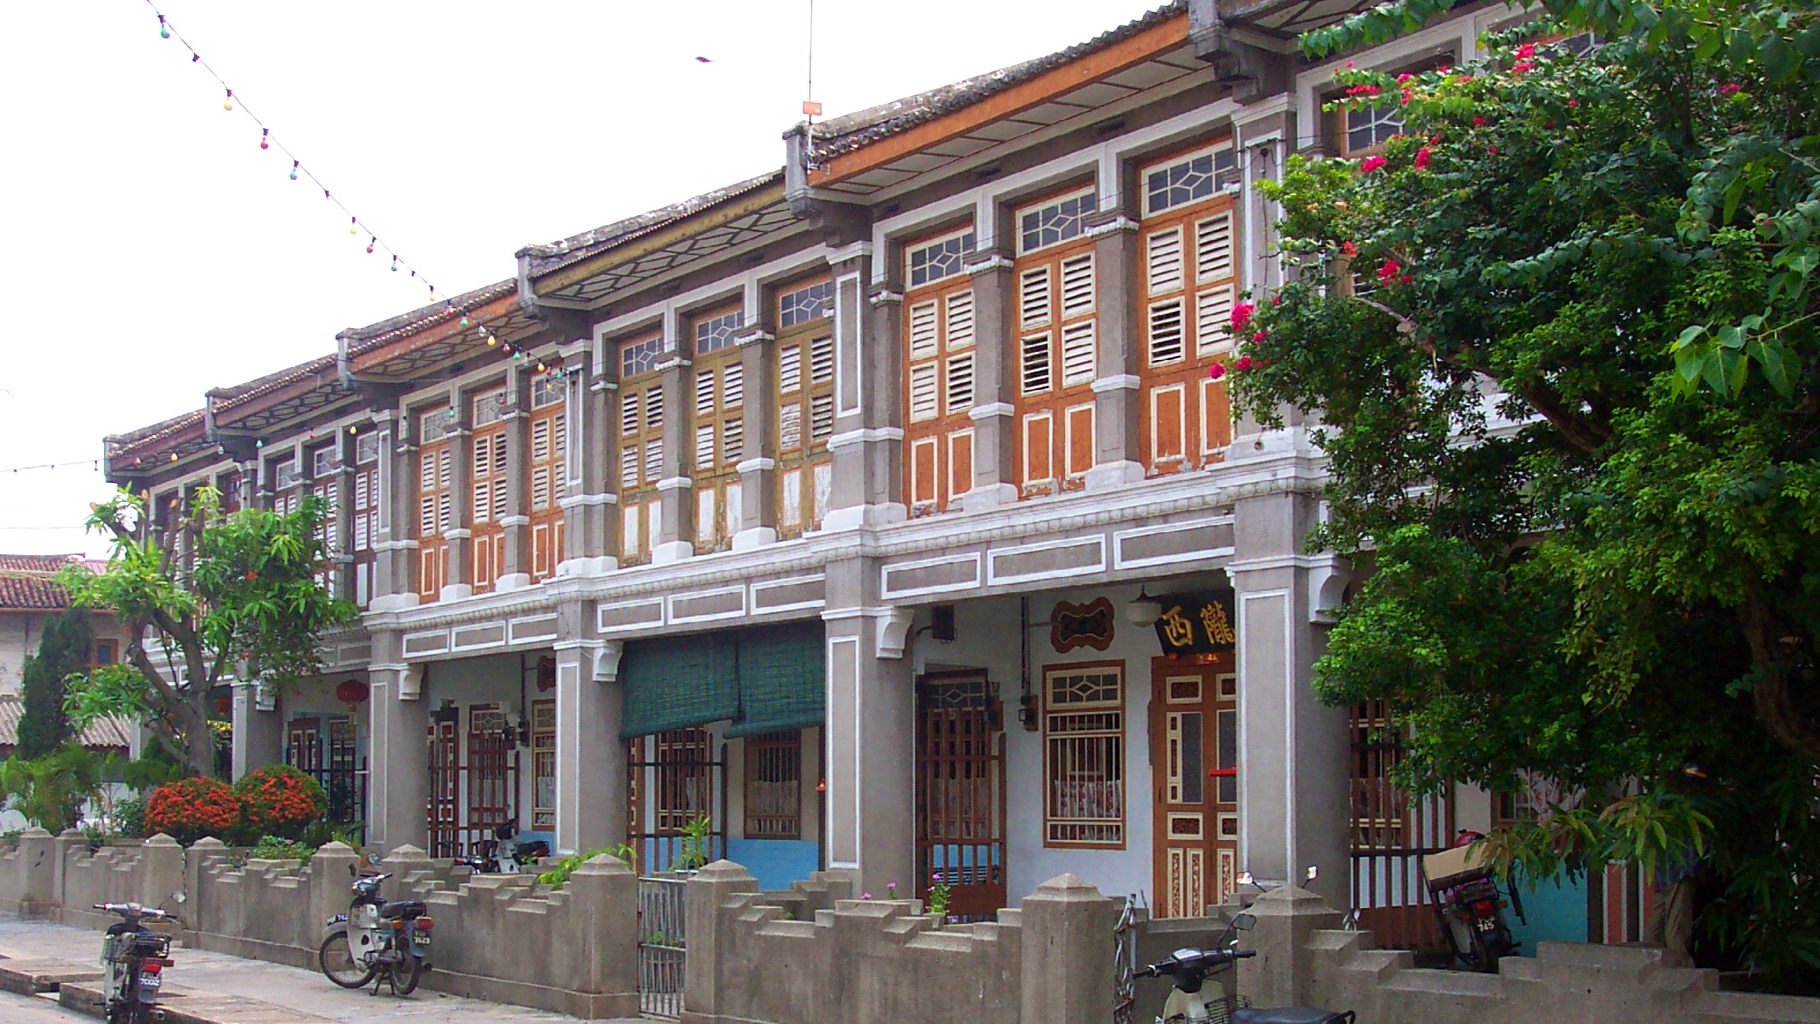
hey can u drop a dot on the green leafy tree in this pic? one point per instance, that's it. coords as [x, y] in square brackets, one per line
[51, 790]
[62, 649]
[246, 604]
[1560, 337]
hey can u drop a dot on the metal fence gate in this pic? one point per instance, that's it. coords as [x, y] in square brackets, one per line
[1391, 832]
[674, 779]
[661, 945]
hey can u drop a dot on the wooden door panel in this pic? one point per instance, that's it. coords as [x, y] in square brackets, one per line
[960, 793]
[1193, 731]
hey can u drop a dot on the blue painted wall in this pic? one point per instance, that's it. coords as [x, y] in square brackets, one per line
[775, 862]
[1556, 909]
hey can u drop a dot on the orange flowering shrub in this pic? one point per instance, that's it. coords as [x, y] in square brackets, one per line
[279, 800]
[189, 809]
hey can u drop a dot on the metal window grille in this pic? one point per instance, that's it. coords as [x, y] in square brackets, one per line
[1083, 755]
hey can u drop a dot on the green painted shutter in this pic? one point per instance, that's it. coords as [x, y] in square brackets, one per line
[677, 683]
[782, 679]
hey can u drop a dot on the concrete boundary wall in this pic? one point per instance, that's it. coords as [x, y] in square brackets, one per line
[815, 954]
[496, 937]
[1304, 958]
[1048, 962]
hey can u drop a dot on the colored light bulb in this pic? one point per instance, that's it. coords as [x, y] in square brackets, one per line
[394, 264]
[464, 320]
[228, 104]
[353, 224]
[370, 242]
[164, 31]
[294, 165]
[353, 430]
[265, 138]
[541, 367]
[492, 342]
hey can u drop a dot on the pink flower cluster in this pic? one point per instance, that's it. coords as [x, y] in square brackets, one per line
[1365, 90]
[1371, 163]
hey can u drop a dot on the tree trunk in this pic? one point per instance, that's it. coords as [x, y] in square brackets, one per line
[1783, 690]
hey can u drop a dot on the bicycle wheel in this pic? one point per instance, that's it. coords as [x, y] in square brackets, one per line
[406, 974]
[336, 958]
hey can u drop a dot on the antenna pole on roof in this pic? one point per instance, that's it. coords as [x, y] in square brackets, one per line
[810, 107]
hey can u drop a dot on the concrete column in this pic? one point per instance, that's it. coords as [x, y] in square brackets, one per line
[994, 381]
[676, 496]
[590, 756]
[1294, 790]
[161, 874]
[602, 937]
[870, 731]
[758, 421]
[37, 874]
[395, 536]
[460, 581]
[706, 925]
[1283, 972]
[1117, 406]
[258, 734]
[1067, 948]
[591, 480]
[517, 520]
[866, 450]
[329, 880]
[399, 787]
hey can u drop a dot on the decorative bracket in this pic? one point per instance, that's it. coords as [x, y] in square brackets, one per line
[893, 631]
[606, 661]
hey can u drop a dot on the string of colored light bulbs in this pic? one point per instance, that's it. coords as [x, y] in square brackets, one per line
[356, 226]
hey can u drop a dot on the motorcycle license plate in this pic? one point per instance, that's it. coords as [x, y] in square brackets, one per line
[1486, 924]
[423, 938]
[150, 982]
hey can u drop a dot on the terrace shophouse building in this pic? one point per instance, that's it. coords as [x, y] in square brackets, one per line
[881, 509]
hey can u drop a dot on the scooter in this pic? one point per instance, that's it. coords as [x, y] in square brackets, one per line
[135, 958]
[1469, 905]
[524, 853]
[1198, 1001]
[377, 941]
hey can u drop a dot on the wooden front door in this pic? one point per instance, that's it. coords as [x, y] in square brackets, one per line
[303, 746]
[491, 748]
[960, 793]
[1194, 745]
[445, 786]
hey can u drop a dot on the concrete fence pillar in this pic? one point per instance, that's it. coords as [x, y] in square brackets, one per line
[161, 874]
[603, 936]
[38, 875]
[402, 863]
[66, 844]
[202, 853]
[706, 930]
[330, 881]
[1282, 974]
[1068, 950]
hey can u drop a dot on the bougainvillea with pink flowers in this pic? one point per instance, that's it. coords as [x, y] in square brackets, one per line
[1563, 337]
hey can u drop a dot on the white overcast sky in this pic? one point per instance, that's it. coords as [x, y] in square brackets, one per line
[151, 250]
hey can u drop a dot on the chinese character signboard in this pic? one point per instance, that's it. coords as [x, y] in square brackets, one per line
[1196, 623]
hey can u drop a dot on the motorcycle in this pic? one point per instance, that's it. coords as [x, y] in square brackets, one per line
[1469, 905]
[377, 941]
[1196, 1000]
[524, 852]
[135, 958]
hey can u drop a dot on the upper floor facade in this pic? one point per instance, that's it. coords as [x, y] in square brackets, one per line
[971, 317]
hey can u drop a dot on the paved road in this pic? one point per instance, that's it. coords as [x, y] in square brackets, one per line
[216, 973]
[36, 1010]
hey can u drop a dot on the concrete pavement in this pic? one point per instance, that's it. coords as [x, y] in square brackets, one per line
[226, 990]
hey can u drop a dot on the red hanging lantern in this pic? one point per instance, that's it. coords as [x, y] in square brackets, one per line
[546, 674]
[224, 706]
[351, 692]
